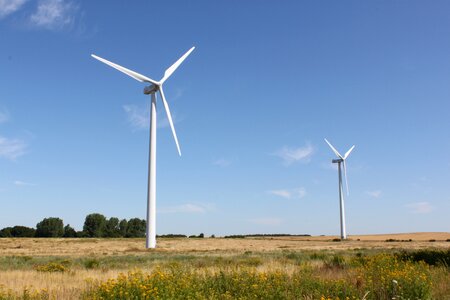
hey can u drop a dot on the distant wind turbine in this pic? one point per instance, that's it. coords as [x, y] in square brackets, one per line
[152, 89]
[341, 159]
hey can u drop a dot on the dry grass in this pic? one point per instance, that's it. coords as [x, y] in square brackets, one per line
[77, 247]
[69, 285]
[65, 285]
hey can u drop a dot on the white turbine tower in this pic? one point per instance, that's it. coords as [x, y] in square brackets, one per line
[152, 89]
[341, 159]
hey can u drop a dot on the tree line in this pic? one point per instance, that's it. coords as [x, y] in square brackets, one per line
[95, 225]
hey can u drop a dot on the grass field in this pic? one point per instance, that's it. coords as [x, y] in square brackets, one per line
[369, 267]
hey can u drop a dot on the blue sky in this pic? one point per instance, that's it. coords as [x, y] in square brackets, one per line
[252, 105]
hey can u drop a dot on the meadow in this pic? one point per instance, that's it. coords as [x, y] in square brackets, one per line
[401, 266]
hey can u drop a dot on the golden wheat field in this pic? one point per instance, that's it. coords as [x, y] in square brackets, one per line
[65, 268]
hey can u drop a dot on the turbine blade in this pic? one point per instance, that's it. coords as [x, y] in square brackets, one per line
[348, 152]
[169, 117]
[173, 67]
[334, 150]
[130, 73]
[345, 174]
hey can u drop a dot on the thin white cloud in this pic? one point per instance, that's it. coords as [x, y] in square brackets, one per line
[4, 115]
[290, 155]
[22, 183]
[8, 7]
[139, 117]
[189, 208]
[12, 148]
[54, 14]
[266, 221]
[420, 207]
[297, 193]
[374, 194]
[222, 162]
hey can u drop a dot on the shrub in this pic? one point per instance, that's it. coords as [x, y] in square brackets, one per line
[336, 261]
[51, 267]
[236, 236]
[172, 236]
[430, 257]
[91, 263]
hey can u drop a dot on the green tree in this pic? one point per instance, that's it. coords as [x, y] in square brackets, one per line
[112, 228]
[50, 227]
[123, 225]
[22, 231]
[6, 232]
[94, 225]
[69, 232]
[136, 228]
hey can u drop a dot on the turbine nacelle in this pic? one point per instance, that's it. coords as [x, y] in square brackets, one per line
[341, 159]
[151, 89]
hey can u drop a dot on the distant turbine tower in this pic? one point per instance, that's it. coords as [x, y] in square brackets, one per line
[155, 86]
[341, 159]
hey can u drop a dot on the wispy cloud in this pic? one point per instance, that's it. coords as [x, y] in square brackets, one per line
[12, 148]
[222, 162]
[8, 7]
[290, 155]
[374, 194]
[139, 117]
[297, 193]
[54, 14]
[189, 208]
[4, 115]
[22, 183]
[420, 207]
[266, 221]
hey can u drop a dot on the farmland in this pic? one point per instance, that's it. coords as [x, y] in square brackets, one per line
[256, 267]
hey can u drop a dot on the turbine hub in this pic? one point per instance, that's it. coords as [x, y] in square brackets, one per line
[151, 89]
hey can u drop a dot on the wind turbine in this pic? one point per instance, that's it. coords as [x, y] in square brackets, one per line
[341, 159]
[152, 89]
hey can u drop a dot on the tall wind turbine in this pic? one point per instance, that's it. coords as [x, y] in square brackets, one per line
[152, 89]
[339, 160]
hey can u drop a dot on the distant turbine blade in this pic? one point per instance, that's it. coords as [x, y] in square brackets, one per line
[345, 174]
[172, 68]
[130, 73]
[334, 150]
[169, 117]
[348, 152]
